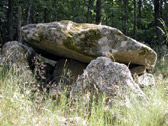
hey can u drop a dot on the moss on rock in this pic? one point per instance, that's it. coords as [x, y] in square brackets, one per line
[144, 52]
[86, 44]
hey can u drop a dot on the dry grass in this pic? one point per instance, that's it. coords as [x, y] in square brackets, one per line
[22, 103]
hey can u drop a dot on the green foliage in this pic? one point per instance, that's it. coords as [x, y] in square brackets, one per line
[113, 14]
[164, 31]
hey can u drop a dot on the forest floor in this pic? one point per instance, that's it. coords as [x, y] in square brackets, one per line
[22, 104]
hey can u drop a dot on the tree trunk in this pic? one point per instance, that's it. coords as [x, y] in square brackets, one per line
[56, 6]
[64, 4]
[19, 23]
[92, 5]
[45, 15]
[157, 16]
[83, 10]
[80, 7]
[161, 12]
[139, 8]
[139, 13]
[126, 16]
[112, 13]
[98, 12]
[10, 19]
[166, 11]
[28, 12]
[32, 17]
[135, 19]
[88, 11]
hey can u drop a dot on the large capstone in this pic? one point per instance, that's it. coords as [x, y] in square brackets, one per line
[85, 42]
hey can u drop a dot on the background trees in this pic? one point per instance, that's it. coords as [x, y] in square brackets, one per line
[136, 18]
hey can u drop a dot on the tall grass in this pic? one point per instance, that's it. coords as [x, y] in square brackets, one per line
[23, 103]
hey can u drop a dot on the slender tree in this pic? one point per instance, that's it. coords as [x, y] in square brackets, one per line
[166, 10]
[139, 16]
[157, 24]
[135, 19]
[10, 19]
[19, 21]
[139, 8]
[126, 16]
[83, 9]
[28, 11]
[112, 13]
[91, 16]
[161, 8]
[98, 12]
[88, 10]
[45, 15]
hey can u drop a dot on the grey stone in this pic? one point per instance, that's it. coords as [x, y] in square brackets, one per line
[18, 57]
[110, 78]
[85, 42]
[66, 72]
[68, 68]
[27, 62]
[15, 52]
[47, 61]
[138, 70]
[146, 80]
[42, 70]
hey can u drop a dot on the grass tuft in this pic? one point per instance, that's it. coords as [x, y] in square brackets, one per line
[23, 103]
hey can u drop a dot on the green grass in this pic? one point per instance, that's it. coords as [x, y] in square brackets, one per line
[23, 104]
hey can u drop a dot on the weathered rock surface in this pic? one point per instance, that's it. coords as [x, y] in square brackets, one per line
[68, 70]
[104, 76]
[85, 42]
[18, 56]
[43, 69]
[139, 70]
[15, 52]
[146, 80]
[65, 73]
[47, 61]
[26, 61]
